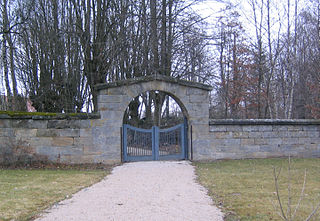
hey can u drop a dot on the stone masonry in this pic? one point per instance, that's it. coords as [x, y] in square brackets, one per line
[96, 138]
[238, 139]
[61, 139]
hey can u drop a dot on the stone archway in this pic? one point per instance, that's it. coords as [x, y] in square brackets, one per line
[114, 98]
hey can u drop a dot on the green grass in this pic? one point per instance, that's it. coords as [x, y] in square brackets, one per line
[25, 193]
[245, 188]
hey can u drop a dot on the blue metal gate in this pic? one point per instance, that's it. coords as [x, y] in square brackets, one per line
[155, 143]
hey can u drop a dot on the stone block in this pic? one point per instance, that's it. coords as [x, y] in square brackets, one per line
[91, 150]
[229, 149]
[103, 92]
[255, 135]
[86, 133]
[69, 132]
[114, 116]
[247, 142]
[226, 142]
[260, 141]
[51, 152]
[4, 123]
[221, 135]
[25, 133]
[196, 91]
[274, 141]
[293, 134]
[315, 154]
[268, 148]
[70, 150]
[312, 147]
[309, 140]
[109, 99]
[30, 124]
[47, 133]
[279, 128]
[83, 141]
[294, 128]
[311, 128]
[107, 160]
[259, 155]
[227, 156]
[250, 148]
[87, 123]
[250, 128]
[64, 124]
[116, 91]
[313, 134]
[217, 142]
[269, 134]
[201, 151]
[240, 134]
[110, 107]
[234, 128]
[62, 141]
[87, 158]
[218, 128]
[290, 140]
[265, 128]
[7, 132]
[55, 153]
[199, 120]
[199, 99]
[40, 141]
[200, 109]
[199, 130]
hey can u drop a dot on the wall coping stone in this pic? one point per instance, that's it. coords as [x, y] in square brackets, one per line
[213, 122]
[54, 116]
[155, 77]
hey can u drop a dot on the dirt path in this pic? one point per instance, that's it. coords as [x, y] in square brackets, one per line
[141, 191]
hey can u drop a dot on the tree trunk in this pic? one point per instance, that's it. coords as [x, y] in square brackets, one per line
[153, 36]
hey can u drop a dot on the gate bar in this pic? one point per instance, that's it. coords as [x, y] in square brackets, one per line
[121, 138]
[191, 145]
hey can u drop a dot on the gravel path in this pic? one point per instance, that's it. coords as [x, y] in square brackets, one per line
[141, 191]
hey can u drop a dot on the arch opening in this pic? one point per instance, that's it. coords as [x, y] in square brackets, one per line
[155, 128]
[155, 108]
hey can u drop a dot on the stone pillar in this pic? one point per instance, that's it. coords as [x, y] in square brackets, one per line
[198, 108]
[107, 130]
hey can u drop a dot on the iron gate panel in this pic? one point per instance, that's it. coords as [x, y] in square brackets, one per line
[138, 143]
[171, 143]
[154, 144]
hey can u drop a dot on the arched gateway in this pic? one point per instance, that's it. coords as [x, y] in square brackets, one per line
[114, 137]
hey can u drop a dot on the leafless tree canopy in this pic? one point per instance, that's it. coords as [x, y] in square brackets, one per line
[54, 52]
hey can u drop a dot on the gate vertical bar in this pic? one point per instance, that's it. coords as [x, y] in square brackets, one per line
[186, 143]
[124, 142]
[191, 144]
[153, 142]
[183, 149]
[121, 143]
[156, 142]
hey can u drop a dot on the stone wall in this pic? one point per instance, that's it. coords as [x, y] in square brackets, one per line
[96, 138]
[68, 139]
[237, 139]
[75, 140]
[61, 139]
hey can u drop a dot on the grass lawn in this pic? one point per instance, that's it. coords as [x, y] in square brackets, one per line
[24, 192]
[246, 191]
